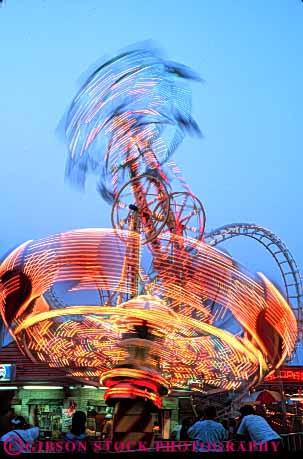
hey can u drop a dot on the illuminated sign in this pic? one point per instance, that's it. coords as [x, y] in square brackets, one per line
[291, 374]
[7, 372]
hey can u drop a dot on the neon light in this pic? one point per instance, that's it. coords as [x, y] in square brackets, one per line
[41, 387]
[289, 374]
[8, 387]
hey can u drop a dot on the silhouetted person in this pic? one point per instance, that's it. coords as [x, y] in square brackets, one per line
[208, 431]
[6, 413]
[186, 423]
[225, 424]
[77, 432]
[99, 419]
[21, 437]
[258, 429]
[107, 431]
[232, 428]
[5, 421]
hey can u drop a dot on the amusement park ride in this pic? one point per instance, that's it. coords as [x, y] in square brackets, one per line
[149, 305]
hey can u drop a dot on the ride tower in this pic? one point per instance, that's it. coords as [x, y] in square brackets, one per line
[148, 305]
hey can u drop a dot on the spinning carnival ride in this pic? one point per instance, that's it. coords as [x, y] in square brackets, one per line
[148, 305]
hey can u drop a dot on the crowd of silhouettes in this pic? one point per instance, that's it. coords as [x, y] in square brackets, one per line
[207, 430]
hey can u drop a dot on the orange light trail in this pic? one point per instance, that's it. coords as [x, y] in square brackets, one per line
[180, 334]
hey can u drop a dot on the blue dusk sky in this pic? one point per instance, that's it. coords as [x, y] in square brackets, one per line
[247, 168]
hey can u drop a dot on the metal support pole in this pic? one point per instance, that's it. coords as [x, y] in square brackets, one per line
[133, 424]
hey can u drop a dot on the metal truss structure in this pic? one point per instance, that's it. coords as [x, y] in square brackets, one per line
[291, 275]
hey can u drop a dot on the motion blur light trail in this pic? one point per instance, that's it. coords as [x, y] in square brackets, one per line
[182, 335]
[146, 306]
[132, 113]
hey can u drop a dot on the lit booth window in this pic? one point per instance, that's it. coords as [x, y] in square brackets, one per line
[50, 415]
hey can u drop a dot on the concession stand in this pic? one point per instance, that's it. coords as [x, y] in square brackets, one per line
[55, 397]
